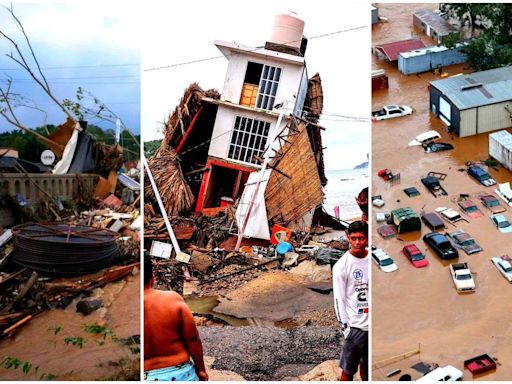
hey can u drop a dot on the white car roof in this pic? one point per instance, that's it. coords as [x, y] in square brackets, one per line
[450, 213]
[441, 372]
[381, 254]
[427, 136]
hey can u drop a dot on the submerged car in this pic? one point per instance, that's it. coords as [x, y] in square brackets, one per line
[492, 203]
[469, 208]
[390, 111]
[441, 246]
[415, 256]
[481, 176]
[504, 265]
[464, 241]
[501, 223]
[383, 260]
[425, 138]
[447, 373]
[437, 147]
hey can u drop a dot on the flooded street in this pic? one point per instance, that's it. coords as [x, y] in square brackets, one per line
[419, 307]
[58, 344]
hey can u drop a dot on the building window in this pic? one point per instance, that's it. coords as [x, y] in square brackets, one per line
[268, 87]
[248, 140]
[251, 84]
[260, 86]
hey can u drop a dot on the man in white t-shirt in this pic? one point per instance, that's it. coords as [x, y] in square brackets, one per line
[350, 287]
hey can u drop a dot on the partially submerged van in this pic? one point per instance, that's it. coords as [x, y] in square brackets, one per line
[425, 138]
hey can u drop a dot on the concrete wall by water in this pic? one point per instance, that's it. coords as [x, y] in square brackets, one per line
[487, 118]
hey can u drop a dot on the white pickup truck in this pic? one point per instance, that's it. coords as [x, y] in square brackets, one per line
[390, 111]
[462, 277]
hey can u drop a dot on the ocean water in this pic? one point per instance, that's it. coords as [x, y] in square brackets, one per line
[342, 188]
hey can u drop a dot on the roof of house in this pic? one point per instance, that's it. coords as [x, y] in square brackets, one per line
[436, 22]
[478, 88]
[228, 49]
[391, 50]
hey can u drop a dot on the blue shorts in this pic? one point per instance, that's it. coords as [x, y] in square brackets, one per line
[184, 372]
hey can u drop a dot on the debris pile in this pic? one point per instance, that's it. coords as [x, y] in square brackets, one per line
[64, 234]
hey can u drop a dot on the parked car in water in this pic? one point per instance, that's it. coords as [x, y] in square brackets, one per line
[383, 260]
[469, 207]
[415, 256]
[425, 138]
[441, 245]
[501, 223]
[481, 176]
[390, 111]
[433, 221]
[464, 241]
[462, 277]
[492, 203]
[504, 266]
[437, 147]
[447, 373]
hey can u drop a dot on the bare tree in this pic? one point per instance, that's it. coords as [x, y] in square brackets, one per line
[37, 75]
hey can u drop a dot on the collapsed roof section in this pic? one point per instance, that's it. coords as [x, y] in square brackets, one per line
[294, 187]
[313, 107]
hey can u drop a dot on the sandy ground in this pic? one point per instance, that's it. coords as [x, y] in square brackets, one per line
[414, 307]
[93, 361]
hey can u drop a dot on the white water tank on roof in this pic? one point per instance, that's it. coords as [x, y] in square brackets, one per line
[287, 30]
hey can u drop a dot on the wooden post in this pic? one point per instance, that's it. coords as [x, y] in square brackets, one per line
[174, 241]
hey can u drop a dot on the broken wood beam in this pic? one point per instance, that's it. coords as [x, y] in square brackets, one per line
[16, 325]
[197, 171]
[241, 271]
[12, 276]
[31, 281]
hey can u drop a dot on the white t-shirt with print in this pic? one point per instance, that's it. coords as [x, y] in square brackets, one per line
[350, 288]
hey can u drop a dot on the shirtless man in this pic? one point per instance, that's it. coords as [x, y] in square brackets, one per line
[171, 338]
[350, 288]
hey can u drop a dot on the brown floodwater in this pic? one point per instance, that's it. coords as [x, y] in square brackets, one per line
[42, 344]
[420, 307]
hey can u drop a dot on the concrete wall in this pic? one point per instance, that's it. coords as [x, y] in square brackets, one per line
[492, 117]
[484, 119]
[288, 84]
[429, 60]
[467, 123]
[223, 129]
[63, 186]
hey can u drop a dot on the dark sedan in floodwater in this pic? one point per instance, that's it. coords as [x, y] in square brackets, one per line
[437, 147]
[441, 246]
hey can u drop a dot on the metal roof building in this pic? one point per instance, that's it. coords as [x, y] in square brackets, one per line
[427, 59]
[392, 50]
[475, 103]
[432, 24]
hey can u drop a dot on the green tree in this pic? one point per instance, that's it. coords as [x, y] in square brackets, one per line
[492, 48]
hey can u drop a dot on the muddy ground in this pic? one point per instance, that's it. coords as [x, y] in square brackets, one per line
[99, 358]
[419, 307]
[281, 323]
[262, 353]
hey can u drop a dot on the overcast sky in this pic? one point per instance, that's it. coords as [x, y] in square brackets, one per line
[94, 45]
[185, 31]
